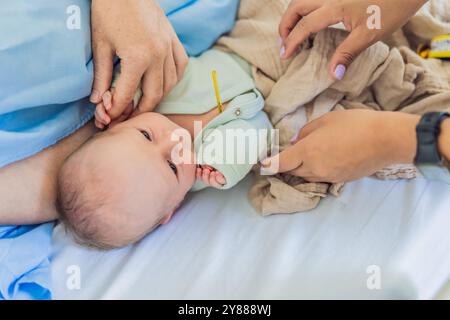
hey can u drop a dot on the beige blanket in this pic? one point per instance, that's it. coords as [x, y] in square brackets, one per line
[391, 78]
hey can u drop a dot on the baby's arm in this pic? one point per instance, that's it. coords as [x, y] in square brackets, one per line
[251, 152]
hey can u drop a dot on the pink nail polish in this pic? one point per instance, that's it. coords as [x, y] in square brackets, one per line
[282, 52]
[280, 42]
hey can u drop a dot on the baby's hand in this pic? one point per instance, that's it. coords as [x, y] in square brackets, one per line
[211, 177]
[102, 119]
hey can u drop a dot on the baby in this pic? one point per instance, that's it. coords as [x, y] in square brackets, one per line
[128, 180]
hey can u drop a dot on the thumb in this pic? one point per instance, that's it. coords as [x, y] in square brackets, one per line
[307, 130]
[103, 70]
[347, 52]
[287, 160]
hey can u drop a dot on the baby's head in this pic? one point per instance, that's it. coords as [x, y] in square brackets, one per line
[123, 183]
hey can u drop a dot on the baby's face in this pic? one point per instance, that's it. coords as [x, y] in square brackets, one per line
[146, 182]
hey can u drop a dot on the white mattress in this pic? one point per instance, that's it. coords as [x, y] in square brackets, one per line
[217, 247]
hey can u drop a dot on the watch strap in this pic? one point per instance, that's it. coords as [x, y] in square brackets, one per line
[428, 131]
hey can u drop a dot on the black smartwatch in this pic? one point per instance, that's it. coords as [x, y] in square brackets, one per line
[428, 159]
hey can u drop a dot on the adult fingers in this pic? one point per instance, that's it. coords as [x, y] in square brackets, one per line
[157, 83]
[348, 50]
[301, 171]
[170, 75]
[307, 130]
[127, 84]
[152, 88]
[312, 23]
[288, 160]
[103, 70]
[294, 13]
[288, 21]
[127, 113]
[309, 178]
[180, 57]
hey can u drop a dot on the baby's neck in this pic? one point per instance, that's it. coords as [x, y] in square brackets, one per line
[187, 121]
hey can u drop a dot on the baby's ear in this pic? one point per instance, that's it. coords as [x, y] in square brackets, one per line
[167, 219]
[169, 216]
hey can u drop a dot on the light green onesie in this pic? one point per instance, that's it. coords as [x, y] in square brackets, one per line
[238, 138]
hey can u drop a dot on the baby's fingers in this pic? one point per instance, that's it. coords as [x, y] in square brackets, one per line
[107, 100]
[101, 115]
[99, 125]
[198, 174]
[310, 24]
[206, 175]
[220, 178]
[208, 167]
[214, 180]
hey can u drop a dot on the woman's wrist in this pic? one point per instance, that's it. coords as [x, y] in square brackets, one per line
[444, 139]
[401, 137]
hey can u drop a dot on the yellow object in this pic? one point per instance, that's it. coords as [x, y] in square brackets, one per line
[216, 89]
[439, 38]
[425, 53]
[439, 48]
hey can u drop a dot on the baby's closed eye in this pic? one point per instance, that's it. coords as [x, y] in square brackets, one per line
[149, 136]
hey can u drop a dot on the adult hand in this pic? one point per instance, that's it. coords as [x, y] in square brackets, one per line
[304, 17]
[140, 34]
[347, 145]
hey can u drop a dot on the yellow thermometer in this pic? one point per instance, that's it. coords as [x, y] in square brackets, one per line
[216, 89]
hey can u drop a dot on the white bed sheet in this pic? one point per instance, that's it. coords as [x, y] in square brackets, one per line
[217, 247]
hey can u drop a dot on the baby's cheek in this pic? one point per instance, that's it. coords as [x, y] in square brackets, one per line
[191, 174]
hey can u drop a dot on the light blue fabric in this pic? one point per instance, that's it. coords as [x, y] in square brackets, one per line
[208, 19]
[46, 73]
[44, 69]
[24, 262]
